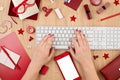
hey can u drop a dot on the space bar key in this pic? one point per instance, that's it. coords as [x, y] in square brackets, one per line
[60, 47]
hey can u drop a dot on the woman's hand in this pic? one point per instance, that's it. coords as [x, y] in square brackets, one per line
[82, 51]
[44, 51]
[83, 55]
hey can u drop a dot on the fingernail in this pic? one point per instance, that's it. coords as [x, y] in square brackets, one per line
[83, 34]
[68, 47]
[68, 50]
[76, 29]
[53, 47]
[51, 35]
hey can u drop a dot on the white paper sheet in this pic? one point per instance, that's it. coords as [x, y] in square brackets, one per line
[4, 59]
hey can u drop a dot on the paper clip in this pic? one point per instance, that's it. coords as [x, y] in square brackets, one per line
[47, 11]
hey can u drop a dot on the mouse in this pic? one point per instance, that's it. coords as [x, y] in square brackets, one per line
[96, 2]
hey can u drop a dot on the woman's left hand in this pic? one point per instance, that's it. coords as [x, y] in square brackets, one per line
[44, 51]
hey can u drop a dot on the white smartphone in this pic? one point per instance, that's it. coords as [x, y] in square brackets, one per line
[67, 67]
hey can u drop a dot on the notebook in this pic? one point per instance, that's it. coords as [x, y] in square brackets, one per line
[33, 17]
[17, 52]
[112, 70]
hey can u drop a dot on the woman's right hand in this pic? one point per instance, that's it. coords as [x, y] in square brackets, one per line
[81, 51]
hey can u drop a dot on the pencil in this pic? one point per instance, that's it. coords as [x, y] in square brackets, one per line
[114, 15]
[13, 20]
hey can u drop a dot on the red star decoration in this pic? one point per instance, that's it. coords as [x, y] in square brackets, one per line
[73, 18]
[21, 31]
[116, 2]
[106, 56]
[95, 57]
[31, 38]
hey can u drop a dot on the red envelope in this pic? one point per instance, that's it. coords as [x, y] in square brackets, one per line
[74, 4]
[111, 71]
[33, 17]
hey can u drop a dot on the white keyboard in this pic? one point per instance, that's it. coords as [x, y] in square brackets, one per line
[98, 37]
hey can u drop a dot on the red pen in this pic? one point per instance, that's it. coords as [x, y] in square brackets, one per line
[114, 15]
[16, 65]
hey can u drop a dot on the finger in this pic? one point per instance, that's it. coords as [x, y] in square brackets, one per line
[82, 38]
[86, 41]
[48, 44]
[44, 39]
[79, 37]
[72, 52]
[75, 43]
[52, 52]
[49, 41]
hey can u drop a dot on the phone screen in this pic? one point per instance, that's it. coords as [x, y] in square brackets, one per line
[67, 67]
